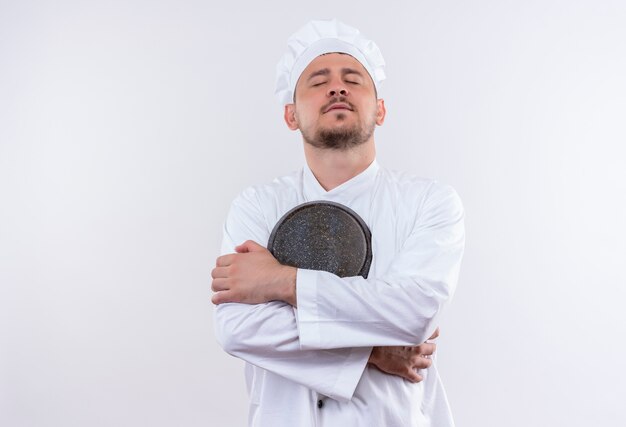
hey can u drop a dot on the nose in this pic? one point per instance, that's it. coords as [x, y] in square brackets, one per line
[337, 89]
[336, 92]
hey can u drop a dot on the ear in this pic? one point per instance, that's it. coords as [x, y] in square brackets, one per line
[290, 116]
[381, 111]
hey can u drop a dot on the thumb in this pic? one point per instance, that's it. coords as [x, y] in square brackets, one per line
[249, 246]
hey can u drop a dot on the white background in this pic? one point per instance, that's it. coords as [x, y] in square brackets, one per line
[127, 127]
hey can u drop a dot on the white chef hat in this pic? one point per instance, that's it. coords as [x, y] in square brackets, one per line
[317, 38]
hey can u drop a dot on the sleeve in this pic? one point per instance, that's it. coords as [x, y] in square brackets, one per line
[401, 306]
[266, 335]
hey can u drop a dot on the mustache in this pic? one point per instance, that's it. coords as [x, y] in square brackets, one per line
[341, 99]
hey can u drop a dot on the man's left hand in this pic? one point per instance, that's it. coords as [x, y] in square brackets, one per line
[405, 361]
[252, 276]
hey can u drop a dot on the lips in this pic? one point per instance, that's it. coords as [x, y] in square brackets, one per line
[338, 106]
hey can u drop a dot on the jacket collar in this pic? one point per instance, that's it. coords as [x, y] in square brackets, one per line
[345, 192]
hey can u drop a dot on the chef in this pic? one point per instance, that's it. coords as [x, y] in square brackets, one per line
[323, 350]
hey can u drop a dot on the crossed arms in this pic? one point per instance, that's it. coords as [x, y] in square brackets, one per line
[340, 324]
[253, 276]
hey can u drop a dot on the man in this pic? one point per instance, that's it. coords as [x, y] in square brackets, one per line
[323, 350]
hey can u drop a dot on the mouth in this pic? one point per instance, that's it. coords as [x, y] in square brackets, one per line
[338, 106]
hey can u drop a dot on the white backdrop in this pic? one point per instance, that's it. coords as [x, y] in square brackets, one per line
[127, 127]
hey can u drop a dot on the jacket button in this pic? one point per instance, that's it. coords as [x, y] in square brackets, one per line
[320, 403]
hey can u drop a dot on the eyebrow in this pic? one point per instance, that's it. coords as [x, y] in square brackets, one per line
[345, 71]
[322, 72]
[326, 71]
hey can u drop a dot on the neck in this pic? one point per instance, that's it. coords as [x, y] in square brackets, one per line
[334, 167]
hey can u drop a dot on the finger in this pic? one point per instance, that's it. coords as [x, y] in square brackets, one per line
[413, 376]
[225, 260]
[222, 297]
[218, 285]
[421, 362]
[249, 246]
[220, 272]
[425, 349]
[216, 298]
[241, 249]
[435, 334]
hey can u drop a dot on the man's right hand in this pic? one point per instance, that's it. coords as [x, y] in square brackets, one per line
[404, 361]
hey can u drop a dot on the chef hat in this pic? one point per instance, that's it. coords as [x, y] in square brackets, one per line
[317, 38]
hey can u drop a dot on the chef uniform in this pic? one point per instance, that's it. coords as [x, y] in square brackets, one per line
[307, 366]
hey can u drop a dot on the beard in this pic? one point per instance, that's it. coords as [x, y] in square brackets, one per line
[342, 138]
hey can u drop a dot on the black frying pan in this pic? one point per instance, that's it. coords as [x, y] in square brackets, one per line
[323, 236]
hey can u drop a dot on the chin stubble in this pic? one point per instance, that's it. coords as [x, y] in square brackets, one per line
[341, 139]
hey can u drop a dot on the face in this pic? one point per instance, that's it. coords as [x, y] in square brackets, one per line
[335, 103]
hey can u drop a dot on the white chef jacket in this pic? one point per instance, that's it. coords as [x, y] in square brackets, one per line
[307, 366]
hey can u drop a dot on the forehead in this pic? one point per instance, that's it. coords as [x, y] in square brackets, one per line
[333, 61]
